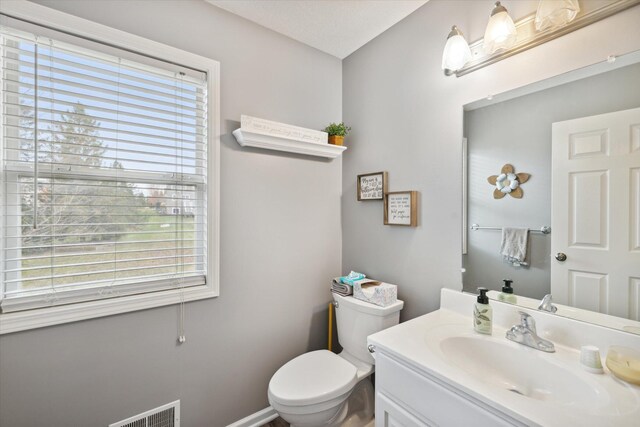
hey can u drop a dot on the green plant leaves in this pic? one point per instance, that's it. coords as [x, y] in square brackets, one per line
[338, 129]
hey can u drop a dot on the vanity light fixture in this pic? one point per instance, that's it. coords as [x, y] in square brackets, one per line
[501, 32]
[504, 38]
[456, 51]
[552, 14]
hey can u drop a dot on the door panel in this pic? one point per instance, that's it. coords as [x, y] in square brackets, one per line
[589, 208]
[634, 220]
[588, 290]
[589, 144]
[634, 298]
[595, 213]
[635, 138]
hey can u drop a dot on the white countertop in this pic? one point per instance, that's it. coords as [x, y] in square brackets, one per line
[602, 398]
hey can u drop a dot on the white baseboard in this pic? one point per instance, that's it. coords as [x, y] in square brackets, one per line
[256, 420]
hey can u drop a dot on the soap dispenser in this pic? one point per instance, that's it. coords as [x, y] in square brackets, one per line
[507, 293]
[482, 313]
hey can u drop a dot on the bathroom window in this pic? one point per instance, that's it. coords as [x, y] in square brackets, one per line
[108, 183]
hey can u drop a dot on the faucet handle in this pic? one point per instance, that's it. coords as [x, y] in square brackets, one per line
[527, 321]
[547, 304]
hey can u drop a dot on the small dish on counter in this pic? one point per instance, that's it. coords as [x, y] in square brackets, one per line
[624, 363]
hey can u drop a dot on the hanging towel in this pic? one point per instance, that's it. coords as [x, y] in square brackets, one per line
[514, 245]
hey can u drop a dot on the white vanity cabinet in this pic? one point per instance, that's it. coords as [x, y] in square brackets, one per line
[406, 397]
[435, 370]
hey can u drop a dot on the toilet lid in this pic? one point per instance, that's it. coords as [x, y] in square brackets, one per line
[313, 377]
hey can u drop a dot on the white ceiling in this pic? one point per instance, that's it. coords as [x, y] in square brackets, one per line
[337, 27]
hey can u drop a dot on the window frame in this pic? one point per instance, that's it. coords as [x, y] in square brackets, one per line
[53, 315]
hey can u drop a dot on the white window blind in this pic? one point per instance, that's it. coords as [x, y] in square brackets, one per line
[104, 172]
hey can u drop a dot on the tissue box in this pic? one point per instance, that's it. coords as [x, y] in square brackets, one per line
[378, 293]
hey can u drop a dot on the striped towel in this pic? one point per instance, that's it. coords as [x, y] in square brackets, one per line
[341, 288]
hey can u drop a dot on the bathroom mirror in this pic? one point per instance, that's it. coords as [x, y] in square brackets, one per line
[515, 128]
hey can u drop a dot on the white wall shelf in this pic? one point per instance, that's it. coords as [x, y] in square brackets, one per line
[260, 133]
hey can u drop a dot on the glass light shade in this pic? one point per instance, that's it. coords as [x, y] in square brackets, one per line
[552, 14]
[501, 32]
[456, 52]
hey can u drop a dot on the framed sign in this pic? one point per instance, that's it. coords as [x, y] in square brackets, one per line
[401, 208]
[372, 186]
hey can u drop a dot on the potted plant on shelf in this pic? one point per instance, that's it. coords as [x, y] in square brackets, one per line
[337, 132]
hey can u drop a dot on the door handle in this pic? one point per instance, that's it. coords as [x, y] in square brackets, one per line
[561, 256]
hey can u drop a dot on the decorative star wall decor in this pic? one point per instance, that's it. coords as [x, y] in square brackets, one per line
[508, 182]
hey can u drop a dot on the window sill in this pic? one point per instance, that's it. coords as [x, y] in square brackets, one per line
[42, 317]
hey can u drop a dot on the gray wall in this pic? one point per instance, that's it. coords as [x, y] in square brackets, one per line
[280, 244]
[408, 120]
[518, 132]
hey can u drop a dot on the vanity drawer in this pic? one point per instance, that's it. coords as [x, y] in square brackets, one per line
[390, 414]
[429, 401]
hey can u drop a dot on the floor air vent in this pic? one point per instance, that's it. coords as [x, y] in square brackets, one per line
[163, 416]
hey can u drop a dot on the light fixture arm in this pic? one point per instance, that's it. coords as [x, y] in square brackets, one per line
[497, 8]
[454, 32]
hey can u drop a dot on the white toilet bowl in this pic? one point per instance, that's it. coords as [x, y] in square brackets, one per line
[321, 388]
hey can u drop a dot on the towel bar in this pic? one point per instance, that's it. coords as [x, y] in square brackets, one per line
[545, 229]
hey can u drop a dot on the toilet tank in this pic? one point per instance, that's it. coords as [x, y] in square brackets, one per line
[357, 320]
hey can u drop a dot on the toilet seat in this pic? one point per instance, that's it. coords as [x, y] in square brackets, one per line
[312, 378]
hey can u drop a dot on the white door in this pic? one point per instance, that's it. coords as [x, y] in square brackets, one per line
[595, 213]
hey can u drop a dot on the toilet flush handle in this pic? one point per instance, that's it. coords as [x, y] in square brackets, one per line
[371, 348]
[335, 304]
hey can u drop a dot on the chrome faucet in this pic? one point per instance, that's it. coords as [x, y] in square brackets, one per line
[547, 304]
[525, 333]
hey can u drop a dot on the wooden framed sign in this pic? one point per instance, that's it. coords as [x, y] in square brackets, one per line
[372, 186]
[401, 208]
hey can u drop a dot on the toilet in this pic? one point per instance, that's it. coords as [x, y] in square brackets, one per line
[321, 388]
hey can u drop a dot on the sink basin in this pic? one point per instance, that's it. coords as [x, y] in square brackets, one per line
[518, 370]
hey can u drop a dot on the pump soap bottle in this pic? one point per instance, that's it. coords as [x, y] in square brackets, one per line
[482, 313]
[507, 293]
